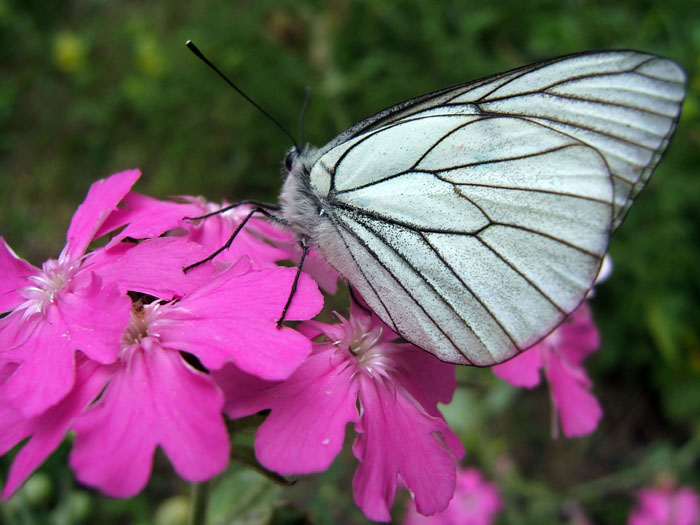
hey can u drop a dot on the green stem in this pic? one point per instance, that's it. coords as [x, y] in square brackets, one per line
[199, 498]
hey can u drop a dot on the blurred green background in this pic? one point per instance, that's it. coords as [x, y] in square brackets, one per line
[89, 88]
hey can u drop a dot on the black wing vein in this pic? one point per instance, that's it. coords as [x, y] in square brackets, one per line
[408, 292]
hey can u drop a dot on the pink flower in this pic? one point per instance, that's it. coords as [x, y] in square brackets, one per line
[63, 307]
[153, 398]
[666, 507]
[561, 354]
[157, 398]
[476, 502]
[388, 390]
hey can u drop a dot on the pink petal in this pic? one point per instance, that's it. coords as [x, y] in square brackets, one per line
[315, 265]
[146, 217]
[94, 318]
[15, 331]
[13, 426]
[46, 372]
[396, 438]
[156, 400]
[578, 409]
[101, 200]
[192, 430]
[475, 502]
[652, 507]
[48, 429]
[245, 394]
[116, 439]
[523, 370]
[578, 335]
[306, 427]
[686, 505]
[475, 498]
[154, 266]
[429, 380]
[213, 232]
[233, 318]
[14, 271]
[314, 329]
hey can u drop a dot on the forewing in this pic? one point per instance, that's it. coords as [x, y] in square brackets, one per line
[624, 104]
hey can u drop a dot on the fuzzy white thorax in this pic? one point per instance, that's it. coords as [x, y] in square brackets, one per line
[301, 206]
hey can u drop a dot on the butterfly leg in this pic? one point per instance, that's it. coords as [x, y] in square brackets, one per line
[304, 248]
[228, 243]
[262, 205]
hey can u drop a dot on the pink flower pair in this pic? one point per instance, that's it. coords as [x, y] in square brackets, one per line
[77, 354]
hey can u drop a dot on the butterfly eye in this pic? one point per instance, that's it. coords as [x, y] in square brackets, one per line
[289, 160]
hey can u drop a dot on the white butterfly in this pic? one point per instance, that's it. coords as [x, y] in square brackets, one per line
[474, 219]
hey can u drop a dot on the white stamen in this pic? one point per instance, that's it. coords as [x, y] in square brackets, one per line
[374, 358]
[55, 277]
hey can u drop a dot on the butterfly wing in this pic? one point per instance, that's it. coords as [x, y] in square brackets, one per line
[474, 219]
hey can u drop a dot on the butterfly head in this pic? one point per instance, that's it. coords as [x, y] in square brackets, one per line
[298, 161]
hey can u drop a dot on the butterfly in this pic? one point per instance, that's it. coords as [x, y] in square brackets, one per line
[474, 219]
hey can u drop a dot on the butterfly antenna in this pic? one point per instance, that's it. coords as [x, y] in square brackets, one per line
[305, 104]
[190, 45]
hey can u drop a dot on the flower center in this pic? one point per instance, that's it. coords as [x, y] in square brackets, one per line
[139, 330]
[363, 342]
[56, 274]
[365, 345]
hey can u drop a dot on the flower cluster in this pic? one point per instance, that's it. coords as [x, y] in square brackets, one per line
[116, 344]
